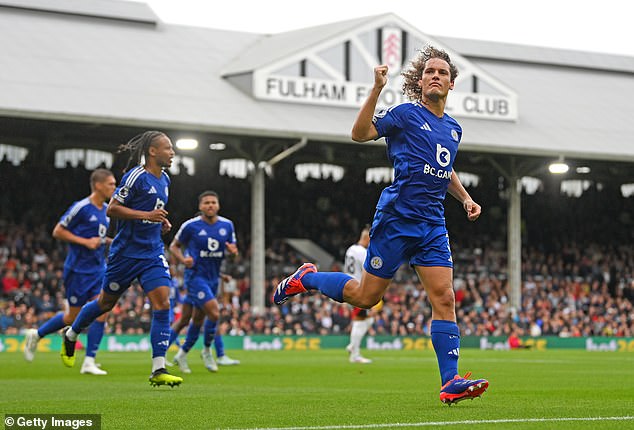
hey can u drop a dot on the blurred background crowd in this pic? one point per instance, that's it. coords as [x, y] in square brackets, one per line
[578, 257]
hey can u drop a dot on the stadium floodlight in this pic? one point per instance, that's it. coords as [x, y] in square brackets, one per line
[187, 144]
[218, 146]
[583, 169]
[558, 167]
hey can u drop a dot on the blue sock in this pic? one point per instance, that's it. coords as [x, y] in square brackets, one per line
[209, 332]
[52, 325]
[328, 283]
[193, 332]
[160, 332]
[95, 334]
[88, 313]
[445, 336]
[219, 344]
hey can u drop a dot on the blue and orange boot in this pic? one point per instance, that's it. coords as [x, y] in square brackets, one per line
[459, 389]
[292, 285]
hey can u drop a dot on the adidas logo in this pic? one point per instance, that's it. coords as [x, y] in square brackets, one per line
[455, 351]
[93, 218]
[152, 190]
[202, 233]
[425, 127]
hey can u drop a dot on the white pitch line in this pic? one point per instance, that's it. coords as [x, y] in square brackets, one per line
[445, 423]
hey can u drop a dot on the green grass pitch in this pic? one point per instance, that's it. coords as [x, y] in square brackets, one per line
[273, 389]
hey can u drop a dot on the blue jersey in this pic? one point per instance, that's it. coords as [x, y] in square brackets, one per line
[206, 244]
[422, 149]
[85, 220]
[140, 190]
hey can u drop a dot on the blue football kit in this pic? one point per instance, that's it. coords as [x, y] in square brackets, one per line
[205, 243]
[84, 268]
[137, 251]
[409, 224]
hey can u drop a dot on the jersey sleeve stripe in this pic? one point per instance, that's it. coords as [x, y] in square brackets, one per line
[133, 176]
[74, 211]
[185, 224]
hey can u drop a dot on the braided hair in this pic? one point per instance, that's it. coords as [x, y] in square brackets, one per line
[139, 146]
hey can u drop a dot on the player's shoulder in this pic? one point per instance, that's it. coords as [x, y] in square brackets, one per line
[225, 220]
[132, 176]
[192, 222]
[165, 176]
[398, 109]
[356, 250]
[451, 121]
[80, 205]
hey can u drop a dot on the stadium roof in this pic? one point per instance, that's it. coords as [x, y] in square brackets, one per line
[114, 62]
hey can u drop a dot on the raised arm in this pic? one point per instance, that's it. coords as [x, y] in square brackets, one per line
[363, 128]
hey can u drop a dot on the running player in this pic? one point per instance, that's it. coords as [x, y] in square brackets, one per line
[205, 239]
[409, 224]
[84, 227]
[137, 249]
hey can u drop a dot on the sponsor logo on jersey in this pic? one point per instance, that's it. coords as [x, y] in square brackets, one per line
[92, 218]
[152, 190]
[425, 127]
[443, 156]
[202, 233]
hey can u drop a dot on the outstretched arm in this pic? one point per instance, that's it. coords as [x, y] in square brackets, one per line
[363, 129]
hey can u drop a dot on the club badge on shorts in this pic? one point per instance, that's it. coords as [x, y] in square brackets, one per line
[376, 262]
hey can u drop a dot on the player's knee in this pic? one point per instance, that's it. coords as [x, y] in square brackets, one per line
[106, 303]
[161, 305]
[445, 299]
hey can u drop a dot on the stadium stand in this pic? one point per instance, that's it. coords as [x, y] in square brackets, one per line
[577, 282]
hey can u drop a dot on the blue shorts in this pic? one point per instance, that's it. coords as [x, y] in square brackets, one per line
[121, 271]
[81, 287]
[199, 292]
[394, 240]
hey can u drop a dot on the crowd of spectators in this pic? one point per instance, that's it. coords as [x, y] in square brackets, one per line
[578, 255]
[575, 292]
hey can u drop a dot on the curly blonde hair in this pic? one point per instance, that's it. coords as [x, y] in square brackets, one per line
[412, 75]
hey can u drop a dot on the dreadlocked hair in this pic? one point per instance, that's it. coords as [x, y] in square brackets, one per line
[139, 146]
[411, 76]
